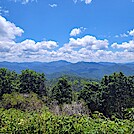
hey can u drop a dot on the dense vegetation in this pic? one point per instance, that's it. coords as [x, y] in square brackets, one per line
[30, 104]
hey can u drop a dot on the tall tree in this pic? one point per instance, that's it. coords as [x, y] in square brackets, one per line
[118, 94]
[91, 94]
[8, 81]
[32, 81]
[62, 91]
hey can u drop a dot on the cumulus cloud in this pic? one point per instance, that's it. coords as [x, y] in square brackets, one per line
[90, 49]
[6, 45]
[9, 48]
[89, 42]
[28, 49]
[30, 45]
[92, 55]
[53, 5]
[131, 32]
[127, 46]
[127, 34]
[77, 31]
[8, 30]
[87, 48]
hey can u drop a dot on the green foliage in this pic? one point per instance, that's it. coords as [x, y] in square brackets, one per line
[118, 94]
[129, 113]
[62, 91]
[92, 95]
[8, 81]
[28, 81]
[13, 100]
[32, 82]
[23, 111]
[76, 82]
[25, 102]
[18, 122]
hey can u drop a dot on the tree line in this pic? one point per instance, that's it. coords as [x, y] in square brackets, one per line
[113, 96]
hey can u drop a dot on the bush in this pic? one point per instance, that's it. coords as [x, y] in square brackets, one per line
[25, 102]
[19, 122]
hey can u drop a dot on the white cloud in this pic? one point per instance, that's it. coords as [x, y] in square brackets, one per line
[91, 55]
[30, 45]
[77, 31]
[5, 46]
[24, 1]
[53, 5]
[123, 35]
[127, 46]
[86, 1]
[23, 50]
[131, 32]
[8, 30]
[87, 48]
[89, 42]
[3, 11]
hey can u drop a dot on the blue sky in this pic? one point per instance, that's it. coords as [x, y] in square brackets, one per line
[72, 30]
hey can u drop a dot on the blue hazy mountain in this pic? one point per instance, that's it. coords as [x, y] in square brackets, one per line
[94, 70]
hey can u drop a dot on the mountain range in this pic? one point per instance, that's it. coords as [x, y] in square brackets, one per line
[93, 70]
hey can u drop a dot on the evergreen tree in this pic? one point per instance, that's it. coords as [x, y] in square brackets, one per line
[118, 94]
[91, 94]
[32, 81]
[8, 81]
[62, 91]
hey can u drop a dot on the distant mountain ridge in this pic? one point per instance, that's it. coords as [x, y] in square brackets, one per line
[94, 70]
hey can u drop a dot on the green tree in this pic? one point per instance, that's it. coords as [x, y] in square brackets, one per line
[62, 91]
[31, 81]
[92, 95]
[9, 81]
[118, 94]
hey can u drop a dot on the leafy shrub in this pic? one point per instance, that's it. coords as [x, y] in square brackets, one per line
[25, 102]
[16, 121]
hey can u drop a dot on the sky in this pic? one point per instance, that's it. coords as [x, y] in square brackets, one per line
[71, 30]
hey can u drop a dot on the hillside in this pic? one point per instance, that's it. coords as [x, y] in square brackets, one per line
[94, 70]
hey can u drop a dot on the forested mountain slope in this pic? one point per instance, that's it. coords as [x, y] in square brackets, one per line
[55, 69]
